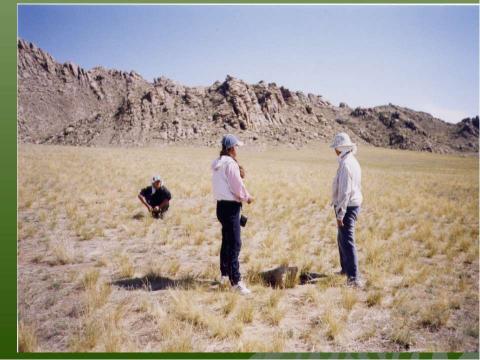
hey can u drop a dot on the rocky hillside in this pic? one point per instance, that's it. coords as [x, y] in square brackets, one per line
[65, 104]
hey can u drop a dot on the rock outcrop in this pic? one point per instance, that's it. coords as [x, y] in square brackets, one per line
[66, 104]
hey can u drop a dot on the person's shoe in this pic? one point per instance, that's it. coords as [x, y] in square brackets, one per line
[241, 288]
[355, 283]
[340, 272]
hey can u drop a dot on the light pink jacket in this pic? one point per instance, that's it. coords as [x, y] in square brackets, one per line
[226, 181]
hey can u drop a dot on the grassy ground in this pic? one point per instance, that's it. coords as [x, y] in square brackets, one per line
[81, 227]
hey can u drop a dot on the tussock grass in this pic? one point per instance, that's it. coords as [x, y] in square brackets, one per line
[273, 315]
[349, 298]
[402, 335]
[90, 279]
[179, 338]
[186, 310]
[274, 298]
[27, 338]
[96, 296]
[374, 298]
[276, 343]
[125, 268]
[221, 329]
[367, 334]
[61, 253]
[436, 314]
[99, 334]
[334, 323]
[310, 296]
[246, 312]
[229, 304]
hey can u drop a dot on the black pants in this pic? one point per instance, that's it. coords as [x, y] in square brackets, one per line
[228, 213]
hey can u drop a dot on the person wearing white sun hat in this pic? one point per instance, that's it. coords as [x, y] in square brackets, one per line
[347, 199]
[156, 197]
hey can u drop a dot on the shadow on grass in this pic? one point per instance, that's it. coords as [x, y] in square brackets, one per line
[284, 277]
[152, 282]
[138, 216]
[311, 277]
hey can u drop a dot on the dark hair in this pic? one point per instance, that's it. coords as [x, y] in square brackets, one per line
[225, 152]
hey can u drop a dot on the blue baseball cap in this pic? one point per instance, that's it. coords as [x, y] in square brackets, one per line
[229, 141]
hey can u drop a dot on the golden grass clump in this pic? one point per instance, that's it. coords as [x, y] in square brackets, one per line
[245, 312]
[334, 323]
[310, 296]
[402, 335]
[27, 338]
[125, 268]
[61, 253]
[435, 315]
[90, 279]
[374, 298]
[229, 303]
[276, 343]
[349, 298]
[179, 338]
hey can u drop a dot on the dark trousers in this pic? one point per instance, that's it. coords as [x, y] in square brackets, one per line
[158, 214]
[346, 243]
[228, 213]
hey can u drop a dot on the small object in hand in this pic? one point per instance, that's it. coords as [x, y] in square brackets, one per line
[156, 213]
[243, 220]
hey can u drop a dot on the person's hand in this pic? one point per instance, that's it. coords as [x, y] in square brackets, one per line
[339, 223]
[250, 200]
[156, 208]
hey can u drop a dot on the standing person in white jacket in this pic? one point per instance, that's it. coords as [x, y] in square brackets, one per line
[230, 192]
[347, 199]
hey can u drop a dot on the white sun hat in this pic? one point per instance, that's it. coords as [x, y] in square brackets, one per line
[156, 178]
[342, 140]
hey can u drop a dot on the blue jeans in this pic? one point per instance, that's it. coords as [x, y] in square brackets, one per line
[346, 243]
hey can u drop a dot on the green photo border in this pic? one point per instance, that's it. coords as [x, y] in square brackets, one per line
[8, 208]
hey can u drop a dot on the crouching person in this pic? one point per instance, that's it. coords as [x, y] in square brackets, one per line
[229, 191]
[156, 198]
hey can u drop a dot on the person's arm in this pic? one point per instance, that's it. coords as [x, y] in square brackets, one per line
[334, 190]
[235, 182]
[344, 191]
[144, 202]
[164, 203]
[168, 197]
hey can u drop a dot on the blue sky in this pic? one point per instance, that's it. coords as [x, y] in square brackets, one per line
[423, 57]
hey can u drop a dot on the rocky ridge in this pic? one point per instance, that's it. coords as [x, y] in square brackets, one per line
[66, 104]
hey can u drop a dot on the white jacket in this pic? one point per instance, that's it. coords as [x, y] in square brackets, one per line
[347, 184]
[227, 183]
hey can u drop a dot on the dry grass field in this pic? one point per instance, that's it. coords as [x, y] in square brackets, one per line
[81, 228]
